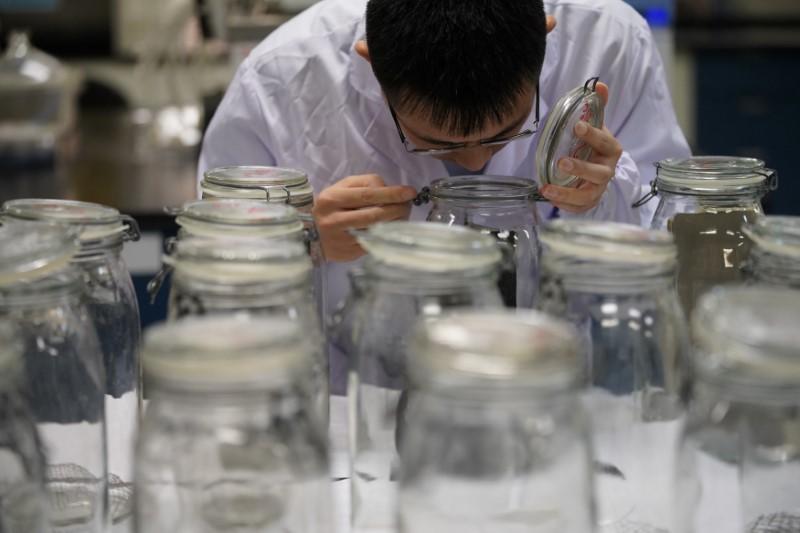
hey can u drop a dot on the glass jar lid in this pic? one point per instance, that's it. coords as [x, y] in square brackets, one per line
[32, 250]
[776, 235]
[279, 185]
[713, 175]
[240, 262]
[225, 217]
[226, 353]
[558, 139]
[499, 350]
[490, 189]
[608, 242]
[96, 221]
[429, 246]
[749, 336]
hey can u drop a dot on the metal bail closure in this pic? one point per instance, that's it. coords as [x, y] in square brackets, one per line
[593, 82]
[647, 197]
[310, 233]
[772, 178]
[423, 197]
[155, 284]
[132, 232]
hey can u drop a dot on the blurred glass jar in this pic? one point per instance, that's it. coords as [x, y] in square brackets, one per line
[495, 437]
[616, 283]
[23, 500]
[229, 442]
[42, 296]
[412, 269]
[111, 301]
[252, 276]
[503, 207]
[740, 454]
[775, 254]
[704, 202]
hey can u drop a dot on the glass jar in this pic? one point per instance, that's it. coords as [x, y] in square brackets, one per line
[413, 269]
[245, 219]
[42, 296]
[494, 437]
[775, 253]
[111, 301]
[252, 276]
[229, 441]
[23, 501]
[740, 458]
[503, 207]
[616, 283]
[704, 202]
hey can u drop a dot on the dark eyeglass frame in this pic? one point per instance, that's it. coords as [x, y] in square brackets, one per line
[461, 146]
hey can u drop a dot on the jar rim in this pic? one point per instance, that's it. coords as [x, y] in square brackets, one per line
[227, 353]
[504, 351]
[710, 175]
[777, 235]
[97, 221]
[275, 183]
[33, 250]
[608, 242]
[486, 188]
[239, 213]
[749, 336]
[429, 246]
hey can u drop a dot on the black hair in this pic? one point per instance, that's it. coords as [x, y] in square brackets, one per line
[463, 63]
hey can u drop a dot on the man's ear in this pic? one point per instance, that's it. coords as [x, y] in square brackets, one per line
[551, 24]
[362, 49]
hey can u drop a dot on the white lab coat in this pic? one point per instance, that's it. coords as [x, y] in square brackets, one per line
[303, 98]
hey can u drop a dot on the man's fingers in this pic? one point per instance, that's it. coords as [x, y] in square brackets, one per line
[366, 217]
[357, 197]
[362, 180]
[606, 147]
[588, 171]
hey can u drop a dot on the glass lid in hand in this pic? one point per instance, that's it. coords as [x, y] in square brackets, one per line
[32, 250]
[558, 139]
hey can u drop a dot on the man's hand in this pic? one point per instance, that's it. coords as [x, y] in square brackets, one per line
[595, 173]
[357, 202]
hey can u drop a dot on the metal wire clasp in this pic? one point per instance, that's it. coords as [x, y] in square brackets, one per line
[423, 197]
[647, 197]
[593, 82]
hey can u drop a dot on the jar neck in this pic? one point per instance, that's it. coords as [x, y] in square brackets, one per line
[749, 200]
[39, 292]
[773, 269]
[740, 390]
[283, 289]
[93, 250]
[607, 277]
[408, 281]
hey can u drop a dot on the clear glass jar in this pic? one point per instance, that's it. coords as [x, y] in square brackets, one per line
[228, 441]
[23, 500]
[616, 283]
[505, 208]
[255, 277]
[111, 301]
[775, 253]
[413, 269]
[704, 202]
[740, 459]
[43, 298]
[495, 438]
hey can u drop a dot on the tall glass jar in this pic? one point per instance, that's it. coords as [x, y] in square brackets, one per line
[704, 202]
[111, 301]
[229, 441]
[413, 269]
[775, 253]
[42, 296]
[23, 500]
[616, 283]
[503, 207]
[249, 276]
[495, 437]
[740, 459]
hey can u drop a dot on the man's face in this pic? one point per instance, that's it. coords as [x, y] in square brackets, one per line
[422, 134]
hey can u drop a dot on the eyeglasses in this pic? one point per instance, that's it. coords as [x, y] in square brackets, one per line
[455, 147]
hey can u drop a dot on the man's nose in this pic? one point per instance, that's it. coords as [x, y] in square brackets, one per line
[474, 159]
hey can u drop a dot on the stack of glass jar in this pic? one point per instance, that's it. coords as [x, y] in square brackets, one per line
[775, 253]
[230, 441]
[111, 302]
[616, 283]
[42, 296]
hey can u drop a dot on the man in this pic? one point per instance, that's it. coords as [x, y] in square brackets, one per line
[374, 99]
